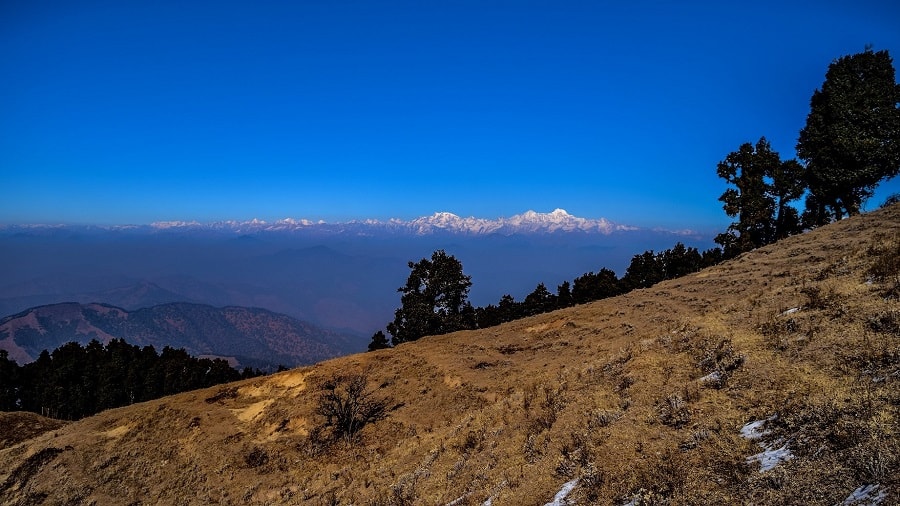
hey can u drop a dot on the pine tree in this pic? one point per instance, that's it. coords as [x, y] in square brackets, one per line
[434, 300]
[379, 342]
[851, 141]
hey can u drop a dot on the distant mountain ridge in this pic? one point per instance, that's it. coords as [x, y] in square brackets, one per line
[338, 276]
[251, 336]
[530, 222]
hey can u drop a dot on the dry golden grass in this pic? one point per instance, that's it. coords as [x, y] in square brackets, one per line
[616, 394]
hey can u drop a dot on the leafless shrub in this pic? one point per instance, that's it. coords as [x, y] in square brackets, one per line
[662, 479]
[603, 418]
[817, 298]
[615, 364]
[543, 404]
[885, 266]
[472, 442]
[531, 450]
[404, 492]
[718, 361]
[257, 457]
[839, 267]
[887, 322]
[625, 382]
[877, 453]
[673, 411]
[574, 454]
[348, 406]
[885, 260]
[778, 327]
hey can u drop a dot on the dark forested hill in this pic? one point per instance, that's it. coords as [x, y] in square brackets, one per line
[250, 336]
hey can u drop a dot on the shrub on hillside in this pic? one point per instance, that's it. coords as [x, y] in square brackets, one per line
[718, 361]
[348, 405]
[885, 266]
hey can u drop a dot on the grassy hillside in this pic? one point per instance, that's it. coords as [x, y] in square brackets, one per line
[638, 399]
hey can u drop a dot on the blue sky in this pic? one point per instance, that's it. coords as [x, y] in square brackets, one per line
[134, 112]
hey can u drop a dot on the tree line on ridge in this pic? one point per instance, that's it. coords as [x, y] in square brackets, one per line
[850, 143]
[76, 381]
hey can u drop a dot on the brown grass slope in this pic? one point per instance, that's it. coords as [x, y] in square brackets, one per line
[609, 393]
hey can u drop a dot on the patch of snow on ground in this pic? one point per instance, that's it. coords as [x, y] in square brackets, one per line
[790, 311]
[489, 502]
[754, 430]
[711, 377]
[770, 456]
[869, 495]
[560, 498]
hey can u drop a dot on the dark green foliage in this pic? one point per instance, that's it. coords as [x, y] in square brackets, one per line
[851, 140]
[434, 300]
[9, 380]
[680, 261]
[590, 287]
[788, 183]
[564, 295]
[763, 187]
[506, 310]
[711, 257]
[379, 342]
[539, 301]
[645, 270]
[424, 313]
[648, 268]
[75, 381]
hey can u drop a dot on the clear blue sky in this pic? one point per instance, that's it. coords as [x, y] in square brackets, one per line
[132, 112]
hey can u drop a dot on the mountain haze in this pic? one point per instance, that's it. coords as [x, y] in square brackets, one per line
[529, 222]
[339, 276]
[768, 379]
[249, 336]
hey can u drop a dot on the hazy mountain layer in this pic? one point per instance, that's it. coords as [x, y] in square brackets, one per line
[254, 337]
[339, 276]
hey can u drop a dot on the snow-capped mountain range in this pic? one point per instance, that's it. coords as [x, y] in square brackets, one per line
[530, 222]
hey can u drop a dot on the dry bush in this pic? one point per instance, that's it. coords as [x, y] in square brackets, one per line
[257, 457]
[838, 268]
[885, 260]
[885, 322]
[348, 406]
[531, 449]
[885, 266]
[472, 442]
[817, 298]
[876, 455]
[662, 479]
[542, 404]
[673, 411]
[602, 418]
[718, 360]
[575, 454]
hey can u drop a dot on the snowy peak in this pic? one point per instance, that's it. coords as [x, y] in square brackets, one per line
[529, 222]
[561, 221]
